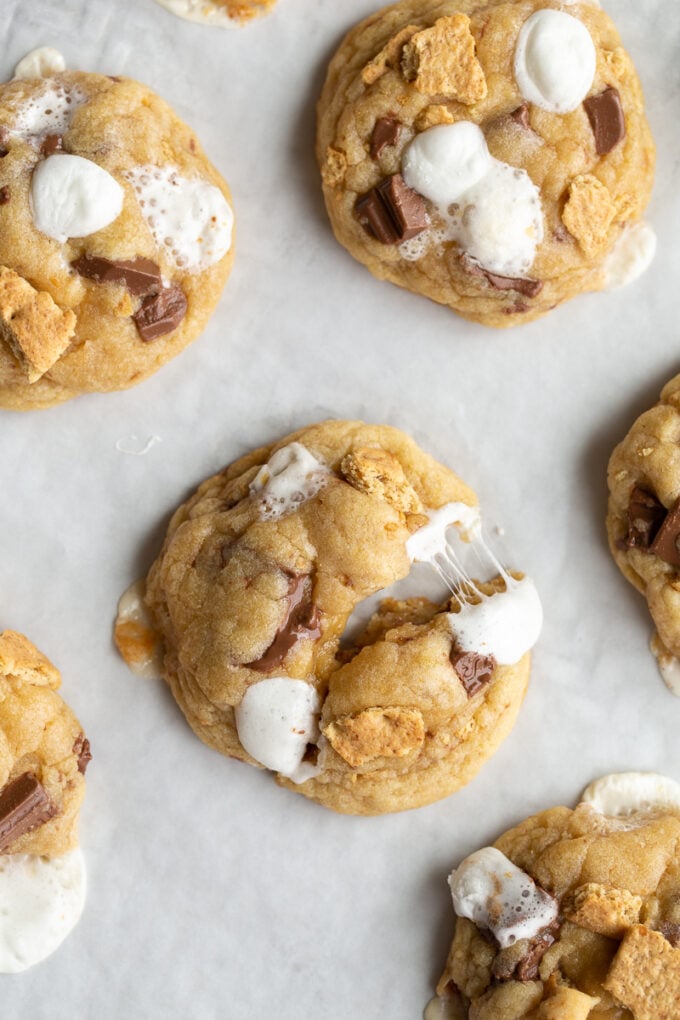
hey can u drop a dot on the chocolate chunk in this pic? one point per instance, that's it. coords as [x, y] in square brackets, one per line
[24, 805]
[529, 288]
[4, 194]
[671, 932]
[141, 276]
[665, 545]
[50, 145]
[605, 114]
[4, 142]
[81, 748]
[474, 670]
[509, 966]
[161, 313]
[645, 516]
[521, 115]
[386, 132]
[302, 620]
[392, 211]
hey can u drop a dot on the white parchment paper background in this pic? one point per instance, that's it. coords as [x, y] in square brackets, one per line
[213, 894]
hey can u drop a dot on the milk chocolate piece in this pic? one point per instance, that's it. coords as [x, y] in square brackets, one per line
[605, 114]
[302, 620]
[509, 967]
[671, 932]
[392, 211]
[50, 145]
[521, 115]
[4, 194]
[529, 288]
[24, 806]
[4, 142]
[161, 313]
[665, 545]
[141, 276]
[645, 516]
[474, 671]
[386, 132]
[81, 748]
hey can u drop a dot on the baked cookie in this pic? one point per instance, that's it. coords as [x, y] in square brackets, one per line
[43, 757]
[278, 655]
[572, 914]
[226, 13]
[493, 156]
[643, 521]
[115, 234]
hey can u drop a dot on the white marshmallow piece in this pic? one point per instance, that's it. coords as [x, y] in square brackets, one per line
[506, 624]
[292, 476]
[555, 60]
[443, 162]
[625, 794]
[631, 256]
[41, 900]
[188, 217]
[276, 721]
[430, 541]
[40, 63]
[204, 11]
[73, 197]
[495, 894]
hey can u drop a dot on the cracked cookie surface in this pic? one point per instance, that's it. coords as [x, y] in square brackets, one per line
[115, 236]
[518, 211]
[250, 598]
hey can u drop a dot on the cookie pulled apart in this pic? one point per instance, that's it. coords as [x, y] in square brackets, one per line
[275, 615]
[43, 757]
[494, 157]
[572, 914]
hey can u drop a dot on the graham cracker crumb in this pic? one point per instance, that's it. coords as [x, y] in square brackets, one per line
[378, 473]
[441, 61]
[432, 116]
[21, 660]
[334, 169]
[617, 62]
[589, 213]
[376, 733]
[388, 56]
[34, 327]
[645, 975]
[609, 912]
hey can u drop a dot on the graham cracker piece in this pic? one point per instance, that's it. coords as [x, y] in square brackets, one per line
[376, 733]
[589, 213]
[21, 660]
[609, 912]
[334, 167]
[32, 324]
[645, 975]
[432, 116]
[441, 61]
[388, 56]
[564, 1004]
[378, 473]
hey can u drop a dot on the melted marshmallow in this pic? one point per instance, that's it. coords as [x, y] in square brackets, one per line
[495, 894]
[506, 624]
[41, 900]
[490, 209]
[40, 63]
[136, 638]
[276, 721]
[204, 11]
[73, 197]
[430, 540]
[48, 113]
[625, 794]
[555, 60]
[631, 256]
[290, 477]
[189, 218]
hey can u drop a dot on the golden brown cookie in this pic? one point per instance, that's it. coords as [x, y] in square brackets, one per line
[250, 599]
[572, 914]
[494, 157]
[643, 520]
[115, 235]
[225, 13]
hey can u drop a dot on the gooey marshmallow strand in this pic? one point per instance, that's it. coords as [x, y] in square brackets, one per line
[491, 210]
[495, 894]
[41, 900]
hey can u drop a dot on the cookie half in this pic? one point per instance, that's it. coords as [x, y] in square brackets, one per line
[286, 644]
[494, 157]
[572, 914]
[115, 235]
